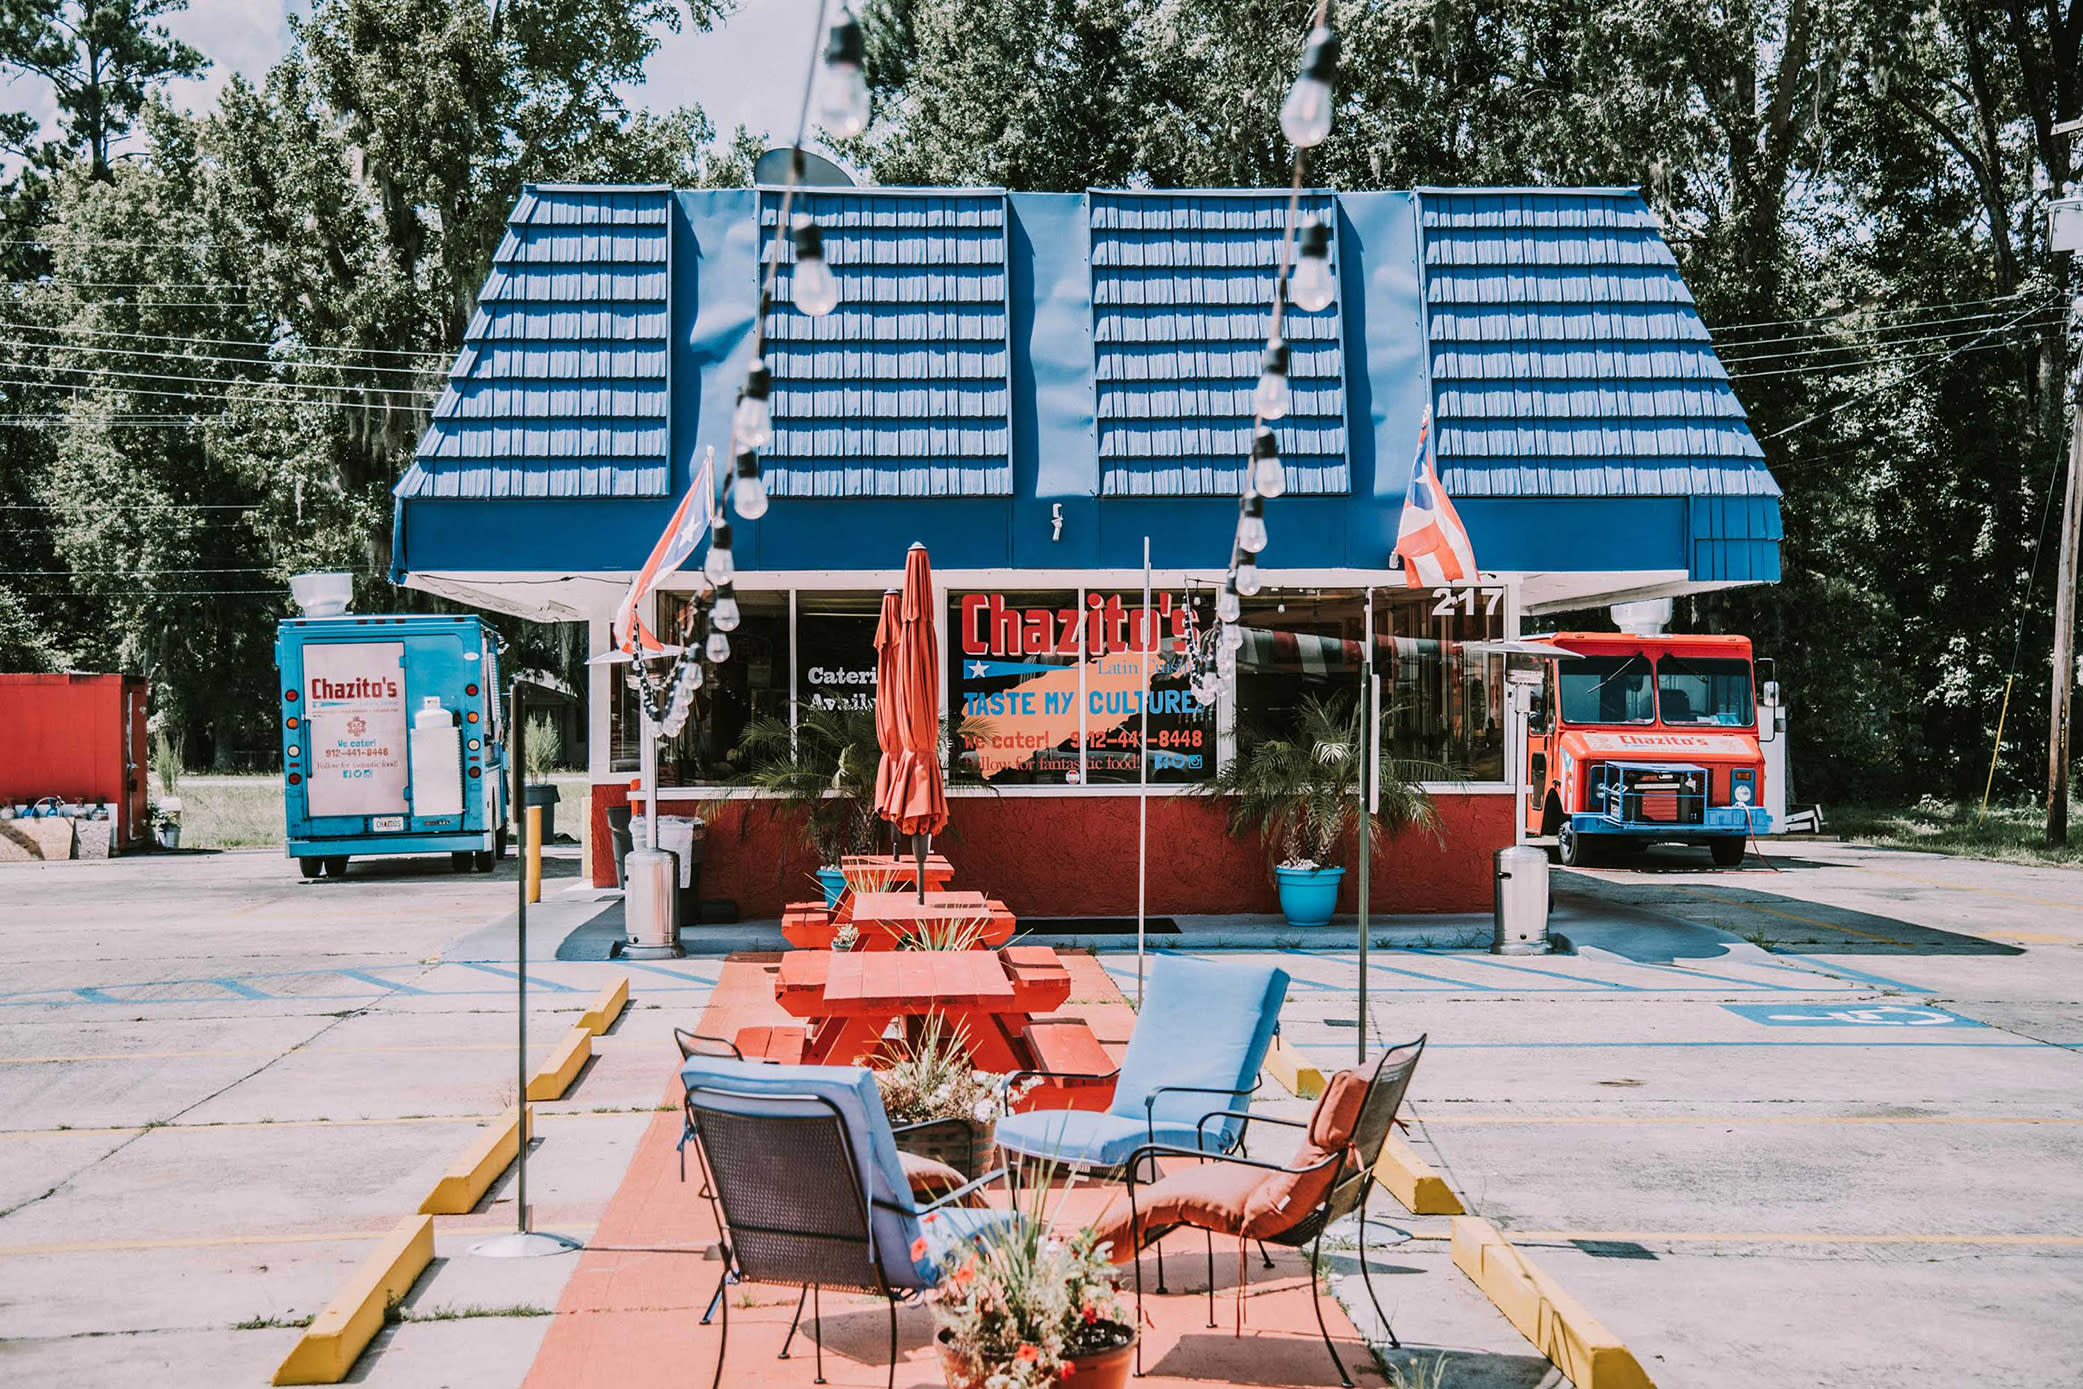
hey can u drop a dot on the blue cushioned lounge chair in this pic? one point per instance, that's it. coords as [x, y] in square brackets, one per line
[1196, 1052]
[809, 1187]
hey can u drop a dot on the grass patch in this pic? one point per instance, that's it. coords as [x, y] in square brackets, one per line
[271, 1324]
[232, 812]
[2012, 833]
[394, 1314]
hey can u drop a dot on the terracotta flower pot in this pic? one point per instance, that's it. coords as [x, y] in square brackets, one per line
[1106, 1369]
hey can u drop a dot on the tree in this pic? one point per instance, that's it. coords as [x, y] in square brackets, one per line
[103, 59]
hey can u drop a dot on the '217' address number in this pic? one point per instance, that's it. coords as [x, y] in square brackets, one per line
[1445, 600]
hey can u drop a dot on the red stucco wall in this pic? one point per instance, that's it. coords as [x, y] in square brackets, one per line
[1076, 856]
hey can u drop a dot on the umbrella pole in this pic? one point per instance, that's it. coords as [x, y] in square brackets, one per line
[918, 848]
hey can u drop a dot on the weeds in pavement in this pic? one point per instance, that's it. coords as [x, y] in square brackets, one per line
[1414, 1374]
[271, 1323]
[468, 1312]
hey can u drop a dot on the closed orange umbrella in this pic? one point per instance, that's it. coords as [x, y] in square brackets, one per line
[887, 717]
[914, 798]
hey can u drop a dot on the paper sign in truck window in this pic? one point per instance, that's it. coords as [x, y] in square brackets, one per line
[354, 704]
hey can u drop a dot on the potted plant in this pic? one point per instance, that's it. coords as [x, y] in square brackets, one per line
[1021, 1307]
[929, 1083]
[824, 768]
[544, 751]
[1301, 794]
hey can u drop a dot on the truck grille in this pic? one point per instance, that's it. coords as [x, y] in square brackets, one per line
[1645, 795]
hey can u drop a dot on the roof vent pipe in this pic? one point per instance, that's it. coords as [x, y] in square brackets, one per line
[1647, 618]
[322, 594]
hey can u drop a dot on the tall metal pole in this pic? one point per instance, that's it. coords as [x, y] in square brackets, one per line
[2064, 640]
[523, 1242]
[1368, 759]
[1149, 645]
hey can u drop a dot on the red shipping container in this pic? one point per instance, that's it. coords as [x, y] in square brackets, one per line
[79, 737]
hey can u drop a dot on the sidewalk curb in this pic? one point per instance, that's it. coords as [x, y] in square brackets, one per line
[327, 1350]
[1574, 1341]
[472, 1174]
[563, 1064]
[1411, 1180]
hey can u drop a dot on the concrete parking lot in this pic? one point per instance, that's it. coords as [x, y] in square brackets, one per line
[1806, 1126]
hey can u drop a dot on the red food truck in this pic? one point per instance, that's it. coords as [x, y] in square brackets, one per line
[1638, 740]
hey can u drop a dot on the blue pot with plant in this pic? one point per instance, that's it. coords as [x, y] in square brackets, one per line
[1298, 789]
[834, 883]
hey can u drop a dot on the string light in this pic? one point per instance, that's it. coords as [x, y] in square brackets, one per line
[724, 617]
[1312, 288]
[753, 423]
[718, 649]
[1251, 524]
[1305, 117]
[812, 287]
[1268, 473]
[1227, 608]
[718, 565]
[1272, 399]
[748, 494]
[1248, 581]
[843, 92]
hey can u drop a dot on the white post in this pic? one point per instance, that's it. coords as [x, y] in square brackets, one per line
[1148, 645]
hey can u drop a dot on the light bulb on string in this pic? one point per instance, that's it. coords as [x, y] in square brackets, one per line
[1311, 287]
[718, 649]
[753, 422]
[1272, 399]
[842, 92]
[1305, 114]
[1248, 582]
[725, 616]
[718, 566]
[691, 675]
[1251, 524]
[1233, 638]
[748, 494]
[1268, 473]
[811, 285]
[1225, 663]
[1227, 608]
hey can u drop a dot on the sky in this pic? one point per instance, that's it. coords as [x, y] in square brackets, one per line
[731, 72]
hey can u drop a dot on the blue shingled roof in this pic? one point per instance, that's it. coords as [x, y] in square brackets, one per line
[560, 387]
[902, 390]
[1567, 358]
[1181, 290]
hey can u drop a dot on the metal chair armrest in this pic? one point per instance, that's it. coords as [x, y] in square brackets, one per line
[1150, 1103]
[1152, 1150]
[1248, 1117]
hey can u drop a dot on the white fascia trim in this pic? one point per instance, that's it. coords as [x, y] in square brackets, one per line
[1115, 789]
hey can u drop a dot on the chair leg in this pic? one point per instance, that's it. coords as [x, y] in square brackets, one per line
[1316, 1305]
[1211, 1278]
[817, 1329]
[1137, 1264]
[1263, 1254]
[716, 1298]
[793, 1322]
[893, 1342]
[1158, 1243]
[1368, 1278]
[723, 1342]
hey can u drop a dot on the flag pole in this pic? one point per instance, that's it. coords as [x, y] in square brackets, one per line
[1149, 644]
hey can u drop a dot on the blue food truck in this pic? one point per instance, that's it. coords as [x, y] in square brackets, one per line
[391, 740]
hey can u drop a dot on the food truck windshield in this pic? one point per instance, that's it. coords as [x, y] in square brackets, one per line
[1698, 691]
[1607, 689]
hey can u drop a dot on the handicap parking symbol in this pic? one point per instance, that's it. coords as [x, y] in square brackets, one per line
[1872, 1015]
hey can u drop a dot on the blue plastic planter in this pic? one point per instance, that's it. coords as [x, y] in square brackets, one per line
[835, 883]
[1308, 896]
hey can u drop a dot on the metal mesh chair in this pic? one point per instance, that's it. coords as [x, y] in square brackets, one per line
[1352, 1158]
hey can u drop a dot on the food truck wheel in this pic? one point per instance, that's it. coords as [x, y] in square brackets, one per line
[335, 866]
[482, 860]
[1569, 847]
[1728, 853]
[459, 860]
[310, 867]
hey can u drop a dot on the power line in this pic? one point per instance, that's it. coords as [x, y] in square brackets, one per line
[1882, 347]
[134, 506]
[1856, 395]
[81, 387]
[205, 357]
[1972, 346]
[1882, 328]
[1853, 313]
[227, 381]
[221, 342]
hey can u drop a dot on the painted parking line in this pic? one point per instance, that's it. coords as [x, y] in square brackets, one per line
[1465, 959]
[1814, 964]
[534, 980]
[1875, 1039]
[379, 981]
[2059, 1241]
[259, 1238]
[233, 986]
[1869, 1015]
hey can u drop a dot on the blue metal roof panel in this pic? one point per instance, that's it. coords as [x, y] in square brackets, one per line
[914, 359]
[1181, 305]
[1566, 356]
[559, 389]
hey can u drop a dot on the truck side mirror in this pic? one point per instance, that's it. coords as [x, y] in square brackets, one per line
[1771, 694]
[1769, 714]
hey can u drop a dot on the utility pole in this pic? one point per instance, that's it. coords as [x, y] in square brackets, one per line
[2065, 233]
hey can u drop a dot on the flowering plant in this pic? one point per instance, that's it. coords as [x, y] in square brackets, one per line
[1019, 1303]
[933, 1078]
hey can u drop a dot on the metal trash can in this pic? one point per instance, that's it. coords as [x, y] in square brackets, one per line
[1519, 911]
[648, 905]
[618, 834]
[686, 839]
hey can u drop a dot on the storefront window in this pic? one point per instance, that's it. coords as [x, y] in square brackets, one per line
[752, 684]
[835, 649]
[1442, 701]
[1030, 674]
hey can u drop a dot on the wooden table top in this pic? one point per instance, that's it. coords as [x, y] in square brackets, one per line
[906, 906]
[1027, 978]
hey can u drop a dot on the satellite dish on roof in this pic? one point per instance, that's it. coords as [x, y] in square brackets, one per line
[818, 171]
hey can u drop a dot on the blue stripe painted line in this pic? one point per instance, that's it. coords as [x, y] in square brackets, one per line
[1813, 965]
[389, 986]
[1373, 965]
[1686, 972]
[668, 973]
[1642, 1046]
[91, 996]
[534, 980]
[1522, 969]
[242, 990]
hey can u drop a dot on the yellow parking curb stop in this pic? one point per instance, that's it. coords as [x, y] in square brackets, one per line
[1574, 1341]
[562, 1066]
[601, 1016]
[1411, 1180]
[336, 1337]
[1293, 1071]
[472, 1174]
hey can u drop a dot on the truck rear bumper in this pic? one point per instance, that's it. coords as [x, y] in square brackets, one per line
[389, 844]
[1722, 822]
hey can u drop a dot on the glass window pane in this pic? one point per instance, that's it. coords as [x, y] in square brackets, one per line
[835, 649]
[1442, 702]
[1701, 691]
[1606, 689]
[751, 684]
[1013, 686]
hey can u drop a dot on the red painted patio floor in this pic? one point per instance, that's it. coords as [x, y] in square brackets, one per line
[630, 1316]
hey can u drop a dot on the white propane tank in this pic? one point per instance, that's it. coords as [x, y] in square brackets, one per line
[437, 760]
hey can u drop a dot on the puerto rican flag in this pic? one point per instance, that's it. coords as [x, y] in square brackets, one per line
[1433, 542]
[683, 535]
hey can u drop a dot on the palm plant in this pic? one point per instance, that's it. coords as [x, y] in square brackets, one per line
[824, 767]
[1301, 792]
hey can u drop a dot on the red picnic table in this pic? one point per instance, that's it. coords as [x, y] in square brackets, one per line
[884, 872]
[885, 919]
[851, 997]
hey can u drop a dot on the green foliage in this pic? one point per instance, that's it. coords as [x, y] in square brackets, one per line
[1300, 793]
[102, 59]
[824, 769]
[545, 747]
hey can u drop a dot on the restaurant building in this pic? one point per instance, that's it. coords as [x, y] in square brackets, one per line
[1037, 384]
